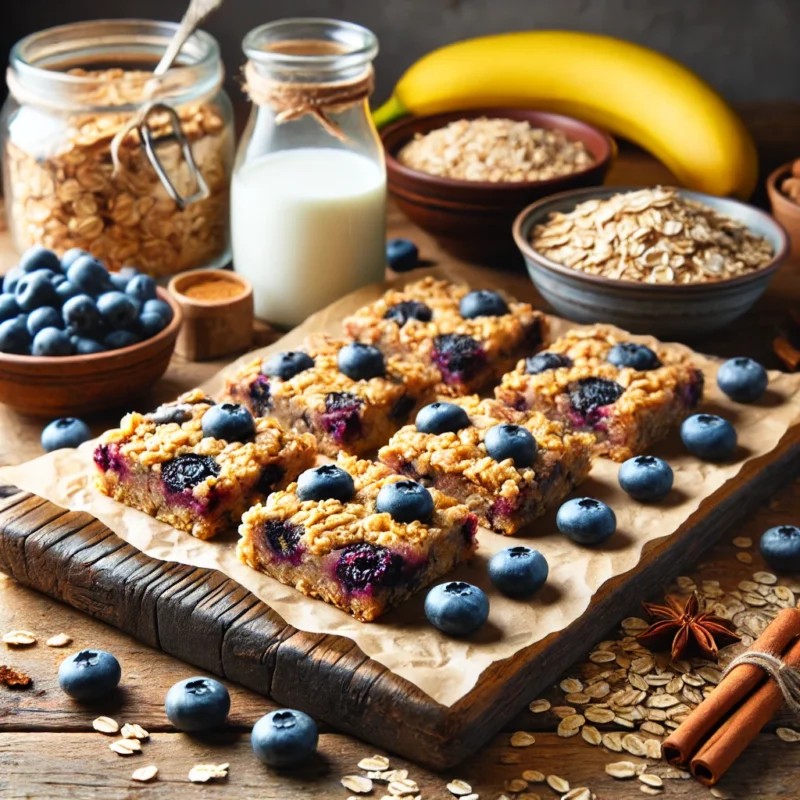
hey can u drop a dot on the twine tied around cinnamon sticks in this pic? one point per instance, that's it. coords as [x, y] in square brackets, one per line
[785, 676]
[292, 100]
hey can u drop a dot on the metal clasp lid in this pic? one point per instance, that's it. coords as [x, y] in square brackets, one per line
[177, 135]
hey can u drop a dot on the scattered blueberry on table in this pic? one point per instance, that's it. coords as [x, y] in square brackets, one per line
[646, 478]
[586, 521]
[742, 379]
[482, 303]
[52, 307]
[405, 501]
[780, 547]
[229, 421]
[511, 441]
[327, 482]
[361, 362]
[518, 571]
[284, 738]
[89, 675]
[402, 255]
[65, 432]
[709, 437]
[457, 608]
[439, 417]
[197, 704]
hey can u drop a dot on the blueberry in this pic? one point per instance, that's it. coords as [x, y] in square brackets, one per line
[459, 357]
[34, 290]
[14, 336]
[178, 413]
[65, 432]
[117, 309]
[89, 275]
[80, 314]
[780, 547]
[71, 256]
[405, 501]
[511, 441]
[709, 437]
[187, 471]
[402, 255]
[632, 355]
[89, 675]
[51, 342]
[342, 416]
[157, 307]
[589, 394]
[151, 324]
[11, 279]
[402, 312]
[119, 280]
[44, 317]
[646, 478]
[284, 738]
[286, 365]
[36, 258]
[586, 520]
[65, 290]
[86, 347]
[128, 272]
[456, 608]
[361, 362]
[283, 536]
[229, 421]
[482, 303]
[9, 308]
[542, 362]
[57, 280]
[742, 379]
[441, 417]
[197, 704]
[116, 340]
[364, 565]
[327, 482]
[518, 571]
[141, 288]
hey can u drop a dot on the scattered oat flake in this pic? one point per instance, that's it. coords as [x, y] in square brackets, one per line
[59, 640]
[563, 711]
[557, 784]
[539, 706]
[744, 557]
[106, 725]
[765, 578]
[522, 739]
[650, 790]
[721, 794]
[203, 773]
[144, 774]
[599, 715]
[570, 726]
[459, 788]
[651, 780]
[621, 770]
[133, 731]
[788, 735]
[516, 785]
[374, 763]
[125, 747]
[602, 656]
[473, 796]
[357, 783]
[402, 788]
[570, 685]
[579, 793]
[13, 677]
[742, 541]
[591, 735]
[533, 776]
[19, 638]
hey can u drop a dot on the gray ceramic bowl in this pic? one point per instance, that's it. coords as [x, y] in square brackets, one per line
[659, 309]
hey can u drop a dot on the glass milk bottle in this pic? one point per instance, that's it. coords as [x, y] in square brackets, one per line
[308, 199]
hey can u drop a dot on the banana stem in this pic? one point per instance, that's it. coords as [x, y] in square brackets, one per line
[390, 111]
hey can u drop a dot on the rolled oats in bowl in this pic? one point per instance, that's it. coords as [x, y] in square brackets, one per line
[496, 151]
[654, 235]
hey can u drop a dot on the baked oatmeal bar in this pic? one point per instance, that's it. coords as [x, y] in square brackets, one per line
[353, 413]
[427, 318]
[348, 553]
[162, 463]
[628, 405]
[504, 493]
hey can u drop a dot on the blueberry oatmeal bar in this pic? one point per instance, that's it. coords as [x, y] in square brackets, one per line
[358, 536]
[350, 395]
[472, 337]
[508, 466]
[196, 465]
[628, 395]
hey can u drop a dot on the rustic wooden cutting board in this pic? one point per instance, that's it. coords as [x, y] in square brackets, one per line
[208, 620]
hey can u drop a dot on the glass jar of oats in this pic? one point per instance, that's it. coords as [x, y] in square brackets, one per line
[100, 154]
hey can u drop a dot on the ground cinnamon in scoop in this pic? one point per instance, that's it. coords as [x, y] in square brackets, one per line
[213, 289]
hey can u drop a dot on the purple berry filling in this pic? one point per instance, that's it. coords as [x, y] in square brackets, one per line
[365, 566]
[341, 418]
[260, 396]
[693, 391]
[284, 539]
[501, 507]
[470, 529]
[460, 358]
[402, 408]
[107, 457]
[589, 398]
[184, 472]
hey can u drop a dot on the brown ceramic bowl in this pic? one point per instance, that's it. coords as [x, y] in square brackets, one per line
[75, 385]
[784, 209]
[472, 219]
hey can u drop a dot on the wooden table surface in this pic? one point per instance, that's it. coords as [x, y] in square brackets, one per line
[49, 750]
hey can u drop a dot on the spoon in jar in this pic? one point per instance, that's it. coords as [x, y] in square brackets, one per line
[198, 10]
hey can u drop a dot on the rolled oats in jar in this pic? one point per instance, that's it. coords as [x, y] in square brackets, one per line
[99, 154]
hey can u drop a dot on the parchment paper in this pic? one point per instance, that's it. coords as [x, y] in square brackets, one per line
[444, 668]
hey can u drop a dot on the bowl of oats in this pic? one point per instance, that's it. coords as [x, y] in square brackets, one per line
[657, 260]
[463, 176]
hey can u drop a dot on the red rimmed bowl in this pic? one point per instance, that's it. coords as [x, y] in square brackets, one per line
[75, 385]
[472, 219]
[658, 309]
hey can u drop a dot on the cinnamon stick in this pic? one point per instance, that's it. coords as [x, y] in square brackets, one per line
[733, 736]
[679, 747]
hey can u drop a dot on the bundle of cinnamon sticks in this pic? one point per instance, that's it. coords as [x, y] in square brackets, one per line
[721, 727]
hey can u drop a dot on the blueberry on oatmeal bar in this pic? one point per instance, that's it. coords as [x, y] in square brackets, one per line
[352, 398]
[169, 466]
[625, 393]
[508, 466]
[471, 337]
[364, 553]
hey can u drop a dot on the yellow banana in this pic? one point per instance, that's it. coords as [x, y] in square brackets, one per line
[627, 89]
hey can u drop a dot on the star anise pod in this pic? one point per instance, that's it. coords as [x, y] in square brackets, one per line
[689, 627]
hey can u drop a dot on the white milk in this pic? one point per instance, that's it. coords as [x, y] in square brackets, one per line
[308, 226]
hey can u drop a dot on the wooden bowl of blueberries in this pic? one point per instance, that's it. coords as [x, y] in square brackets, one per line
[76, 338]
